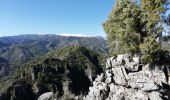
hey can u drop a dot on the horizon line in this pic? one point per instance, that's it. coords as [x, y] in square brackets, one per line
[59, 34]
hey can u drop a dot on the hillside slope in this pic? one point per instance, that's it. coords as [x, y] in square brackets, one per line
[66, 72]
[16, 50]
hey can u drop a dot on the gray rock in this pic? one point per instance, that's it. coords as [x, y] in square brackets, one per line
[133, 66]
[115, 61]
[124, 81]
[136, 59]
[123, 57]
[109, 78]
[33, 73]
[155, 96]
[109, 62]
[45, 96]
[146, 79]
[119, 76]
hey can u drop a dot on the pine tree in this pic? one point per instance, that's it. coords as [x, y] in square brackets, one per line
[122, 27]
[151, 19]
[133, 28]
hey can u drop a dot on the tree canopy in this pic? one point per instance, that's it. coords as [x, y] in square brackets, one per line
[135, 28]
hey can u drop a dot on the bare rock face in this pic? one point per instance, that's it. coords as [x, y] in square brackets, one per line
[126, 79]
[45, 96]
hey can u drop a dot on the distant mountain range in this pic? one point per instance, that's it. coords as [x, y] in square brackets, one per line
[16, 50]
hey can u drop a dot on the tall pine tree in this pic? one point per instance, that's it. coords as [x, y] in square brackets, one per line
[133, 28]
[122, 27]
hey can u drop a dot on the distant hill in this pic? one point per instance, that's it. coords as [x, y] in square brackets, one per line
[68, 71]
[16, 50]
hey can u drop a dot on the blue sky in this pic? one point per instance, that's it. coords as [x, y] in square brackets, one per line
[53, 16]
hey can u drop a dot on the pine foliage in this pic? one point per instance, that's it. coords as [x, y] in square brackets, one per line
[135, 28]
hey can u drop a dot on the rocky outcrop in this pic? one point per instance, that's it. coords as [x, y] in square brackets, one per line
[45, 96]
[127, 79]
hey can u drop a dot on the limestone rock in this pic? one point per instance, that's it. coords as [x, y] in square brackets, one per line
[45, 96]
[114, 61]
[130, 80]
[119, 76]
[143, 81]
[155, 96]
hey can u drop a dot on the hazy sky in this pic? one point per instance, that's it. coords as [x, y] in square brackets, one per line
[53, 16]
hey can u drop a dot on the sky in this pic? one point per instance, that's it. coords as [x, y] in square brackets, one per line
[81, 17]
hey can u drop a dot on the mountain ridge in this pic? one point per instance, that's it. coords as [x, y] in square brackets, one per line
[21, 48]
[60, 71]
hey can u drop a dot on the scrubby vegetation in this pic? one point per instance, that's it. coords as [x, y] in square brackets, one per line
[66, 71]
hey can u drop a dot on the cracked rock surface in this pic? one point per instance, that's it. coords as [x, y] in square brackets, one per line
[126, 79]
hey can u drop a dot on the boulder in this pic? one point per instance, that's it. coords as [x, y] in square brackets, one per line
[115, 61]
[45, 96]
[119, 76]
[142, 81]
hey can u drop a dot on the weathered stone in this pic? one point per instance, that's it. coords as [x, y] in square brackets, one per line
[137, 82]
[119, 60]
[133, 66]
[136, 59]
[109, 80]
[155, 96]
[141, 81]
[45, 96]
[99, 91]
[109, 62]
[123, 57]
[100, 78]
[33, 72]
[119, 76]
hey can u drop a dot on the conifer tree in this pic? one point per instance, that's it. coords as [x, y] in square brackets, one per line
[122, 27]
[151, 19]
[133, 28]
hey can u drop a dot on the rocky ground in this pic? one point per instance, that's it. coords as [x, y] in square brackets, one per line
[126, 79]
